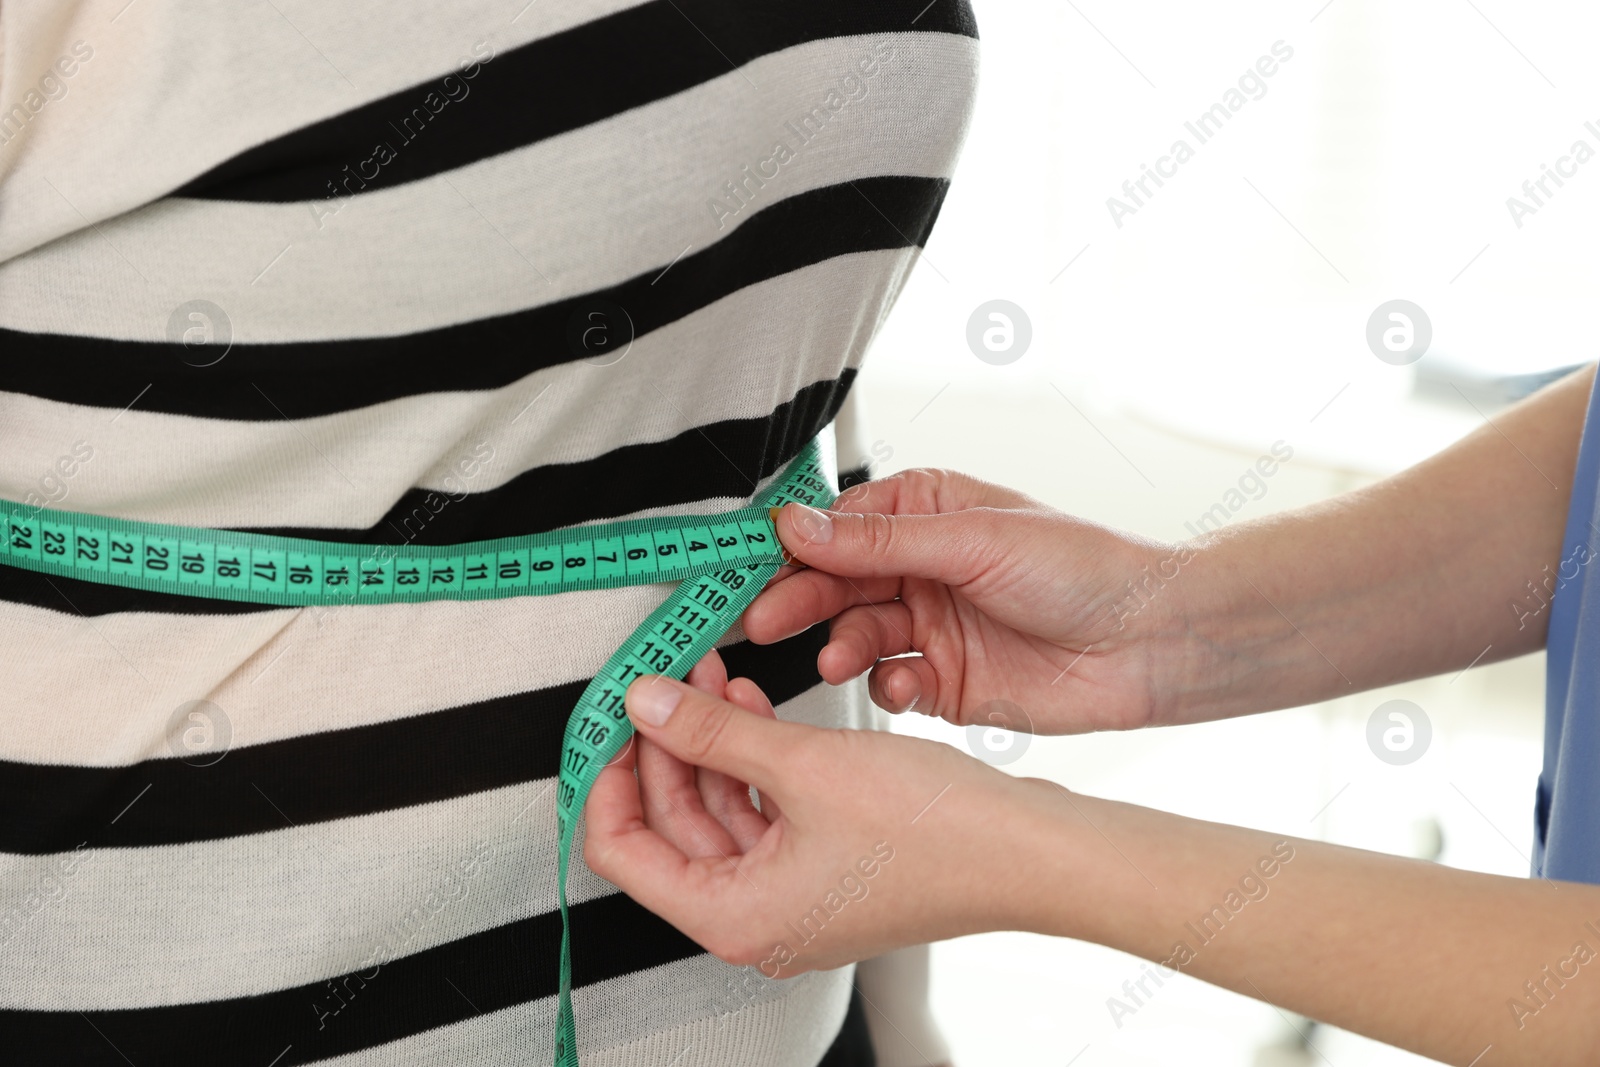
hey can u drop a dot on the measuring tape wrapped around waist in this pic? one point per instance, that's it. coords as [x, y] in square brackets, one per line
[720, 562]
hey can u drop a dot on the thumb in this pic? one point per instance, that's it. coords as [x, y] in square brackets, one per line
[948, 548]
[702, 730]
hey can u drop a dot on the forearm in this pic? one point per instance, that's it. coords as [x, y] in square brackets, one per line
[1413, 576]
[887, 841]
[1417, 955]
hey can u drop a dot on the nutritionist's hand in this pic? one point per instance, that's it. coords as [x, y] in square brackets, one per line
[1012, 613]
[863, 841]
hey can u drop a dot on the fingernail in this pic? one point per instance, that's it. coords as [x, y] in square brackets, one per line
[912, 685]
[654, 701]
[815, 526]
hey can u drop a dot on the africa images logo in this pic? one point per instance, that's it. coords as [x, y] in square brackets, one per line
[452, 88]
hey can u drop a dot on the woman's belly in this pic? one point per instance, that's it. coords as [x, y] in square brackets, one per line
[334, 830]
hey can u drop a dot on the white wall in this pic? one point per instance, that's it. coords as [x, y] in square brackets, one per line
[1223, 316]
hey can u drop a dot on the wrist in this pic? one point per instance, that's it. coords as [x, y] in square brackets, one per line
[1188, 636]
[1107, 873]
[1226, 642]
[1062, 883]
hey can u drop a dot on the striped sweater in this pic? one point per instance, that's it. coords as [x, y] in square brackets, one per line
[443, 274]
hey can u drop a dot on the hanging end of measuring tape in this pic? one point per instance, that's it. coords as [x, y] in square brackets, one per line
[788, 557]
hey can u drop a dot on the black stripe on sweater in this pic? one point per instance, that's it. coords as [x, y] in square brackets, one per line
[269, 382]
[420, 759]
[387, 1001]
[719, 459]
[390, 999]
[855, 476]
[547, 87]
[723, 459]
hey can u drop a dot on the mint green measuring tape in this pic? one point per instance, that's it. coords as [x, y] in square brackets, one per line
[720, 562]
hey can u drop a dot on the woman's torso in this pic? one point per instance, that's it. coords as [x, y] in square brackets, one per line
[328, 275]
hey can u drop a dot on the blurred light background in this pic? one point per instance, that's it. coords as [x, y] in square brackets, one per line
[1227, 313]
